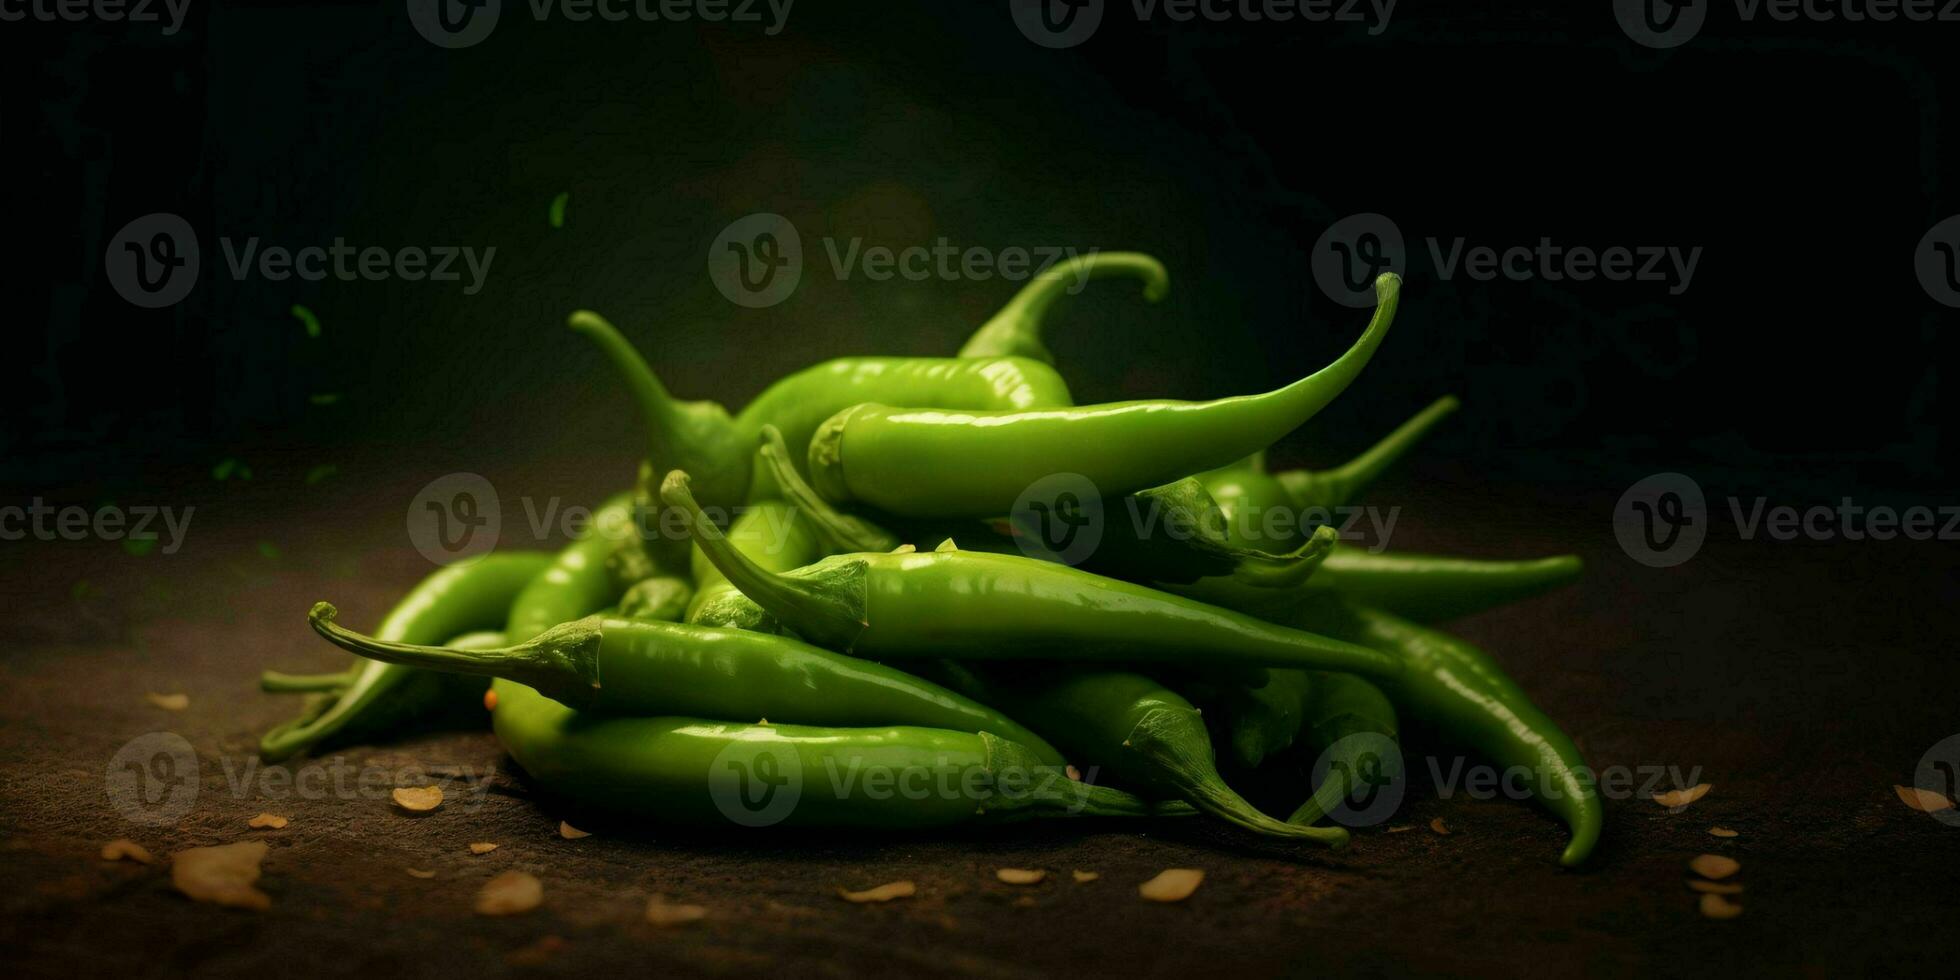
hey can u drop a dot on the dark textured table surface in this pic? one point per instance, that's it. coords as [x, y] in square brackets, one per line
[1803, 680]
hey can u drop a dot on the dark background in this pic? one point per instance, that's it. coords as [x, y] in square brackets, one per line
[1802, 678]
[1806, 160]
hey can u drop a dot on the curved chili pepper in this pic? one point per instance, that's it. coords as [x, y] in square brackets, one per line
[973, 605]
[456, 599]
[1142, 733]
[1016, 330]
[927, 462]
[1327, 489]
[1433, 588]
[679, 770]
[577, 582]
[1462, 692]
[1338, 708]
[627, 667]
[684, 435]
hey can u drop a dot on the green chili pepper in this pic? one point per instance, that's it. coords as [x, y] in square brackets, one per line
[628, 667]
[456, 599]
[659, 598]
[1457, 688]
[577, 582]
[1338, 708]
[1248, 496]
[1147, 736]
[1016, 330]
[836, 531]
[1433, 588]
[690, 435]
[972, 605]
[1327, 489]
[925, 461]
[770, 533]
[709, 773]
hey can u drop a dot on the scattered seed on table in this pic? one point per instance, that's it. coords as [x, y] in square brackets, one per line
[419, 873]
[169, 702]
[1923, 800]
[1439, 826]
[265, 820]
[1714, 866]
[882, 893]
[1082, 877]
[660, 912]
[510, 893]
[1721, 832]
[1021, 876]
[1675, 799]
[484, 847]
[570, 832]
[124, 849]
[222, 875]
[1172, 885]
[418, 799]
[1716, 907]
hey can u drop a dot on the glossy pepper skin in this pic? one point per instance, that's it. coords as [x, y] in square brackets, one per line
[373, 696]
[693, 772]
[774, 536]
[1324, 490]
[967, 605]
[657, 598]
[691, 435]
[625, 667]
[1457, 688]
[1016, 330]
[577, 581]
[1434, 588]
[919, 461]
[1141, 733]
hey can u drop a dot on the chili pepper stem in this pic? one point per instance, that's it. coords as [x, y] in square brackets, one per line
[1335, 487]
[1197, 781]
[1016, 329]
[562, 662]
[823, 609]
[840, 532]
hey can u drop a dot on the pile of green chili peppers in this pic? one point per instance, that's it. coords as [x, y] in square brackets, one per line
[865, 624]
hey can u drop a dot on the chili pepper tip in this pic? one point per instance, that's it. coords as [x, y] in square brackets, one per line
[322, 612]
